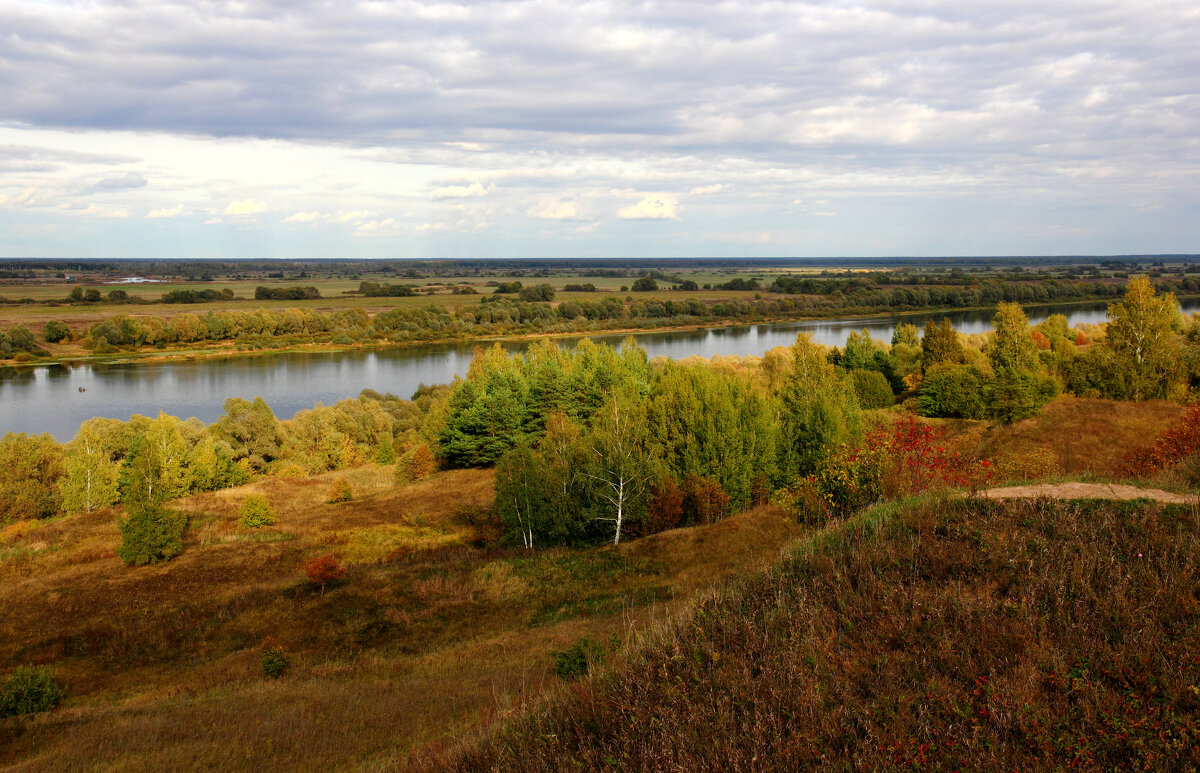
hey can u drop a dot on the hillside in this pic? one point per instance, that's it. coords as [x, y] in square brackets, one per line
[433, 630]
[930, 635]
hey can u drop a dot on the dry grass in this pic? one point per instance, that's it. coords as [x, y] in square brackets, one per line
[933, 635]
[1070, 436]
[433, 633]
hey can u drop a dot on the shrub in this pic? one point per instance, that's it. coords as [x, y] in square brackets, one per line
[274, 659]
[576, 660]
[291, 471]
[323, 570]
[1172, 448]
[872, 389]
[256, 512]
[28, 690]
[417, 463]
[151, 534]
[340, 491]
[55, 331]
[919, 459]
[644, 285]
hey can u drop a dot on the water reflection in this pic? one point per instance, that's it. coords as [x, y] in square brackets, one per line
[57, 398]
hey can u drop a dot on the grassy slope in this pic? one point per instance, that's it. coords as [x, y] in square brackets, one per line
[431, 632]
[930, 635]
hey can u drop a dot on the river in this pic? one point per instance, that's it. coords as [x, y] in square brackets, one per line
[57, 398]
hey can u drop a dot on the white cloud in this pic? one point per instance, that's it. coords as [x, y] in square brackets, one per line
[657, 206]
[3, 198]
[460, 191]
[706, 189]
[389, 223]
[554, 209]
[172, 212]
[302, 217]
[213, 221]
[246, 207]
[358, 214]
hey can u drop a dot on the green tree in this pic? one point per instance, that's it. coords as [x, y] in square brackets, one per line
[872, 389]
[1017, 390]
[1140, 336]
[818, 411]
[1010, 346]
[714, 425]
[941, 345]
[953, 391]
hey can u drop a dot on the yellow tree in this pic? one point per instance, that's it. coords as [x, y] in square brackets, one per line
[1141, 338]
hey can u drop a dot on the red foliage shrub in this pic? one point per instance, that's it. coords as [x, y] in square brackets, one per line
[1081, 340]
[1169, 449]
[323, 570]
[1040, 340]
[919, 460]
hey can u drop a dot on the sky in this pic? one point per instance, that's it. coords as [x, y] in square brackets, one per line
[286, 128]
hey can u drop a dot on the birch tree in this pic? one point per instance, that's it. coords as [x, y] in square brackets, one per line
[1140, 336]
[619, 468]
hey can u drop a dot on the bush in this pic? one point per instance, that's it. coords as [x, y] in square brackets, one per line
[577, 660]
[151, 534]
[28, 690]
[845, 481]
[256, 512]
[56, 331]
[872, 389]
[644, 285]
[1173, 448]
[417, 463]
[340, 491]
[274, 659]
[323, 570]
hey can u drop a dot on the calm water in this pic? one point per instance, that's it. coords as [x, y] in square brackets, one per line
[48, 399]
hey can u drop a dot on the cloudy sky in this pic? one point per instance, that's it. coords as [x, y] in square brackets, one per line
[280, 128]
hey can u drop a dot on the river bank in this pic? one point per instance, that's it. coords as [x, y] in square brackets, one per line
[76, 355]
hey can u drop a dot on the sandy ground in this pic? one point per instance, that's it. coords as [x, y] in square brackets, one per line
[1086, 491]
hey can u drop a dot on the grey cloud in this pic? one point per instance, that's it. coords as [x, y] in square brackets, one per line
[127, 181]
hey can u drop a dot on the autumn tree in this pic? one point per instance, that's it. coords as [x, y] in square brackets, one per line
[1140, 337]
[91, 466]
[252, 432]
[32, 466]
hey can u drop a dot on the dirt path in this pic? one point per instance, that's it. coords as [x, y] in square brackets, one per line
[1087, 491]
